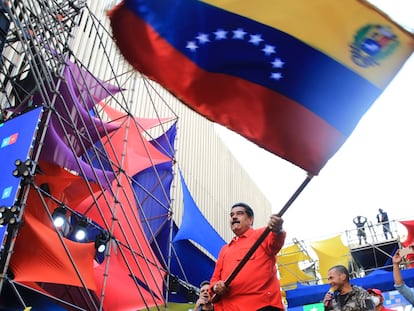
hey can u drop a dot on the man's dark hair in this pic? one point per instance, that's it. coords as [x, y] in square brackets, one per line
[204, 283]
[247, 208]
[341, 269]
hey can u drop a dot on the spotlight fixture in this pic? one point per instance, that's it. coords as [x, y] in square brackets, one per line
[173, 285]
[80, 230]
[59, 217]
[23, 169]
[101, 242]
[3, 215]
[9, 215]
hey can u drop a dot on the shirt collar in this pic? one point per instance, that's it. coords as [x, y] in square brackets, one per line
[248, 233]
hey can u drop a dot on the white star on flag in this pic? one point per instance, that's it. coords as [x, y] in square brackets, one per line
[255, 39]
[277, 63]
[239, 34]
[220, 34]
[276, 75]
[192, 46]
[203, 38]
[269, 49]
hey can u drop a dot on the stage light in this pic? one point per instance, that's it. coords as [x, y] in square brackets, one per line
[101, 242]
[59, 217]
[9, 215]
[23, 169]
[173, 285]
[3, 215]
[80, 230]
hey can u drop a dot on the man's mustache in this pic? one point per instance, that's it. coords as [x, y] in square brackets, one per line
[235, 222]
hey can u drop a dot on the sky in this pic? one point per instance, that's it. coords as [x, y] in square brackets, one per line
[372, 170]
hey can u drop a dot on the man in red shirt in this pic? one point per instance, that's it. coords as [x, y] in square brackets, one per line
[256, 286]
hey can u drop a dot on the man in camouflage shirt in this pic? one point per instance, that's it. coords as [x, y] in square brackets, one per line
[343, 296]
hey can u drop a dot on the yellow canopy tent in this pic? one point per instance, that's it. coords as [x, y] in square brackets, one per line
[288, 261]
[331, 252]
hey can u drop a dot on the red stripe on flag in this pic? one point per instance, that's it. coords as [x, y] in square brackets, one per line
[265, 117]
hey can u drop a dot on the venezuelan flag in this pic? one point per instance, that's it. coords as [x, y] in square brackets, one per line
[295, 77]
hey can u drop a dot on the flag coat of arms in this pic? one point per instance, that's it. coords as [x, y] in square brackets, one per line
[295, 77]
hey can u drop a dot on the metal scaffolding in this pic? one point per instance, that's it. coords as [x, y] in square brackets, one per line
[44, 65]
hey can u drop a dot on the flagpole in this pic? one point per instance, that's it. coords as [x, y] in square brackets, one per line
[264, 234]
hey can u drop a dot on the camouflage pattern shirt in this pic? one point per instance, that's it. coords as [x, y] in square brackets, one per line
[357, 299]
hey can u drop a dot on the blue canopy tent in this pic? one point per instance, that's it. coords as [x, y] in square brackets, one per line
[187, 262]
[196, 265]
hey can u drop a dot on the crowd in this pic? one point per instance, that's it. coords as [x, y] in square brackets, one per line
[255, 286]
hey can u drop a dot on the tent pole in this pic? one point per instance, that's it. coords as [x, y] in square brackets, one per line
[169, 259]
[264, 234]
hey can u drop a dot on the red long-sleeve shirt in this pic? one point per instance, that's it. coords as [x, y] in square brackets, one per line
[256, 285]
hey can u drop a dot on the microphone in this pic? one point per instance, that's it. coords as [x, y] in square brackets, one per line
[327, 302]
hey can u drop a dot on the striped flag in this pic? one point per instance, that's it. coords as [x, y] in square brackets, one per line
[294, 77]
